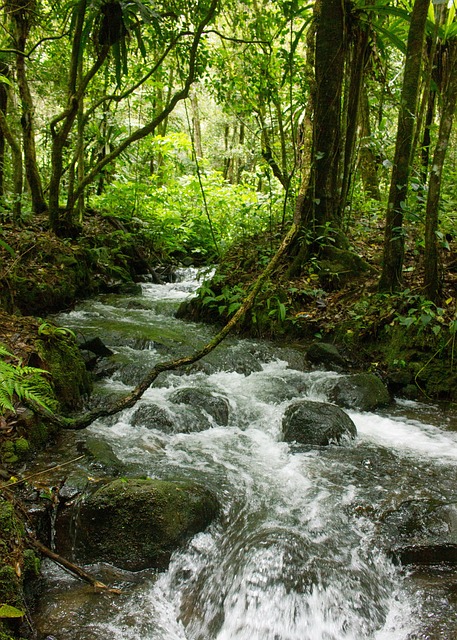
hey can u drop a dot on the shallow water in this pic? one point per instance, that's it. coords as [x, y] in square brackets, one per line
[298, 552]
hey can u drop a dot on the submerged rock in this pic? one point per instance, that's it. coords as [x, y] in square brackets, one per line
[363, 391]
[216, 406]
[137, 523]
[422, 532]
[316, 423]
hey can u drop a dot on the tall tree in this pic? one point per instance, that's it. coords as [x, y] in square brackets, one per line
[448, 98]
[22, 13]
[394, 241]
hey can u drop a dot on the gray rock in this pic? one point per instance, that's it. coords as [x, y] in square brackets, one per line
[215, 406]
[363, 391]
[317, 423]
[153, 417]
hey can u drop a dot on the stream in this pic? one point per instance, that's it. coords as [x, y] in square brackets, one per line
[297, 552]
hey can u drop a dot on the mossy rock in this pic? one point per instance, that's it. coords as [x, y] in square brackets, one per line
[339, 266]
[137, 523]
[363, 391]
[70, 378]
[325, 355]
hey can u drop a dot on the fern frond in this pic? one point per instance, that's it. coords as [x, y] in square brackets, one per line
[24, 383]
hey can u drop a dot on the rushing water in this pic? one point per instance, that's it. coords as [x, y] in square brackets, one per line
[297, 553]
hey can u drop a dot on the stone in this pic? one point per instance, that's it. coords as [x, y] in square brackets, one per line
[362, 391]
[216, 406]
[317, 423]
[326, 355]
[136, 524]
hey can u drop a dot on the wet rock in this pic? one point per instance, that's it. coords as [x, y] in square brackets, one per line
[102, 455]
[316, 423]
[426, 554]
[325, 355]
[153, 417]
[216, 406]
[363, 391]
[422, 532]
[97, 347]
[137, 523]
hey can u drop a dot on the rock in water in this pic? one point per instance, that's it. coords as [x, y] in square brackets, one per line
[316, 423]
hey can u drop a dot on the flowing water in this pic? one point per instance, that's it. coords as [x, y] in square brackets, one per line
[298, 552]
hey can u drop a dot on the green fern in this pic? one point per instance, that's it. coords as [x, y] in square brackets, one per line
[23, 383]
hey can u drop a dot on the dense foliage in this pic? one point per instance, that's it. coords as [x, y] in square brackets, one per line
[212, 125]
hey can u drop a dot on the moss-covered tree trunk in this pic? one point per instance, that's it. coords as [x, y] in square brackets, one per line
[394, 241]
[322, 199]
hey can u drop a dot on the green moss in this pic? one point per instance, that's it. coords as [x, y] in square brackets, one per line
[70, 378]
[8, 523]
[10, 586]
[21, 448]
[32, 563]
[7, 453]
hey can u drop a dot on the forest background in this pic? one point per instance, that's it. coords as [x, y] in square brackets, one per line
[203, 132]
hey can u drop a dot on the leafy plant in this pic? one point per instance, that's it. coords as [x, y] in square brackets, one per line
[50, 330]
[18, 382]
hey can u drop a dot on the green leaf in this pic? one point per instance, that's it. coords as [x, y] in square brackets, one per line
[7, 611]
[6, 246]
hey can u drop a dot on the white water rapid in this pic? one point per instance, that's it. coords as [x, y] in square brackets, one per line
[297, 553]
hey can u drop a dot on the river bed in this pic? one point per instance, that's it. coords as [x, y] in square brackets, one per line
[297, 553]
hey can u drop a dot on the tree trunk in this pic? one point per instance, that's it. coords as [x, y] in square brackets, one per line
[196, 125]
[4, 71]
[318, 209]
[17, 166]
[394, 241]
[20, 20]
[432, 282]
[357, 61]
[366, 155]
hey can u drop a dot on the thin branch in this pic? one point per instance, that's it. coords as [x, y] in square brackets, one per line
[238, 40]
[130, 90]
[73, 568]
[142, 132]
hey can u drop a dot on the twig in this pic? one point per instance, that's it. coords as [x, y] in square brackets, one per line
[39, 473]
[73, 568]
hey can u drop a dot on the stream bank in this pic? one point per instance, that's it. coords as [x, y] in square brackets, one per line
[301, 332]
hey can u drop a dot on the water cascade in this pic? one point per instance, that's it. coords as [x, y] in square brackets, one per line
[300, 550]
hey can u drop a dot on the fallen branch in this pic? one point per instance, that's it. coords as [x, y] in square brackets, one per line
[72, 568]
[132, 398]
[16, 481]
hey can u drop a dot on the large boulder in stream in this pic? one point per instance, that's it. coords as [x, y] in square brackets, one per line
[362, 391]
[136, 524]
[316, 423]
